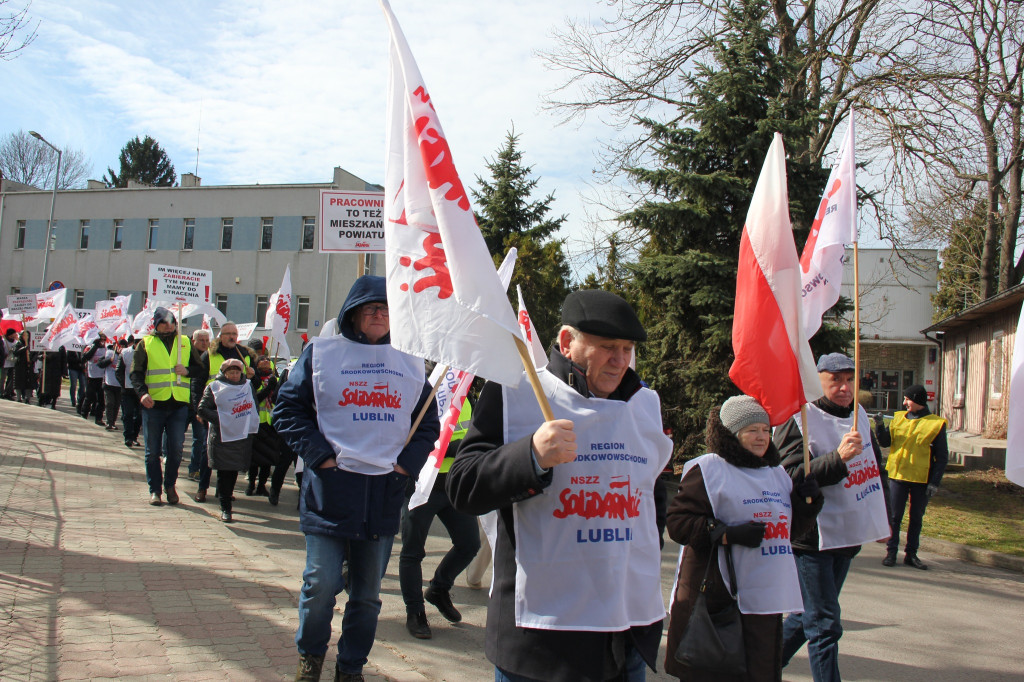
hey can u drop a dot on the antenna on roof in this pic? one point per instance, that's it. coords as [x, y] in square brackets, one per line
[199, 127]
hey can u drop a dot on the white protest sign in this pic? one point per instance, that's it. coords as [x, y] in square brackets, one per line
[22, 304]
[351, 222]
[35, 342]
[245, 331]
[184, 285]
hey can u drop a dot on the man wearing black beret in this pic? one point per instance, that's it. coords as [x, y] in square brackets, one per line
[576, 593]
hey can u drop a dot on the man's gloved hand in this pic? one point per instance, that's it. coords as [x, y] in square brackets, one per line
[879, 421]
[747, 534]
[932, 489]
[809, 488]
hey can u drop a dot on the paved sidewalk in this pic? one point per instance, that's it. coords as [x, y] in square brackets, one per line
[97, 584]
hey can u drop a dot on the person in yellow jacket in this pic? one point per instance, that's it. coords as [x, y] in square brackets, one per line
[160, 380]
[917, 459]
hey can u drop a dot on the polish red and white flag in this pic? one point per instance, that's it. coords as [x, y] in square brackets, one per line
[279, 314]
[773, 359]
[834, 226]
[446, 301]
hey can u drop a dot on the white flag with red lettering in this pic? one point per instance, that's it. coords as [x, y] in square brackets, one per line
[86, 330]
[530, 334]
[279, 314]
[49, 304]
[450, 395]
[446, 301]
[773, 360]
[834, 226]
[62, 330]
[1015, 410]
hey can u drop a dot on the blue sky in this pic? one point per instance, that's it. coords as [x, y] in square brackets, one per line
[282, 92]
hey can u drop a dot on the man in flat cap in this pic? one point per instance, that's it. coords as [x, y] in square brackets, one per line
[917, 460]
[576, 593]
[846, 463]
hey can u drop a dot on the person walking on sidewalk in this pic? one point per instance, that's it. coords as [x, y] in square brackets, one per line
[461, 527]
[111, 386]
[131, 411]
[347, 409]
[159, 381]
[228, 406]
[198, 468]
[917, 461]
[576, 593]
[9, 341]
[93, 402]
[845, 464]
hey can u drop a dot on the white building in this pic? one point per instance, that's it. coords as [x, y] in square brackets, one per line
[895, 305]
[104, 240]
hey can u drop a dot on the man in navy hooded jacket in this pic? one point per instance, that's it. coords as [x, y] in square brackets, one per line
[347, 409]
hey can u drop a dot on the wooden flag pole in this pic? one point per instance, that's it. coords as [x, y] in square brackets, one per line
[856, 337]
[177, 342]
[531, 373]
[807, 447]
[426, 404]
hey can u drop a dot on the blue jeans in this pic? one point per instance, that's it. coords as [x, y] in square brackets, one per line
[322, 583]
[77, 389]
[899, 492]
[164, 429]
[822, 575]
[636, 670]
[462, 528]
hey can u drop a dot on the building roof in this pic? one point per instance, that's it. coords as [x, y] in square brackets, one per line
[1011, 297]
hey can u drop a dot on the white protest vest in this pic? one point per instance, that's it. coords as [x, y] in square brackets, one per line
[587, 551]
[854, 510]
[766, 576]
[92, 368]
[365, 395]
[109, 376]
[236, 408]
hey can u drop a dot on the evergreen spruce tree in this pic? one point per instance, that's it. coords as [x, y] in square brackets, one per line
[699, 192]
[509, 218]
[142, 160]
[960, 273]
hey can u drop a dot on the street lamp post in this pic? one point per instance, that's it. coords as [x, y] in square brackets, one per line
[53, 202]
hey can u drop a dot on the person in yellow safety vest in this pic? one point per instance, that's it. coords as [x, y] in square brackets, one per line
[226, 346]
[917, 460]
[416, 522]
[160, 381]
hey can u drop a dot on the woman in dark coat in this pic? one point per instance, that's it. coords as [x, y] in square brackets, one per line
[24, 374]
[740, 437]
[220, 402]
[54, 369]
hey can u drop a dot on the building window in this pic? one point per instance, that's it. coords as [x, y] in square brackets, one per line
[154, 226]
[308, 233]
[15, 291]
[222, 303]
[267, 234]
[19, 242]
[79, 298]
[960, 377]
[190, 234]
[111, 295]
[996, 364]
[302, 319]
[227, 226]
[83, 234]
[118, 234]
[262, 301]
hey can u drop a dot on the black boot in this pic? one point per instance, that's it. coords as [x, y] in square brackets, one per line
[309, 668]
[912, 561]
[890, 558]
[251, 490]
[443, 601]
[417, 625]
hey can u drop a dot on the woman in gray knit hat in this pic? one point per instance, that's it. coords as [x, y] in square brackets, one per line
[738, 502]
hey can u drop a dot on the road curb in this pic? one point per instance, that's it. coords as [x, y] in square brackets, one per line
[975, 555]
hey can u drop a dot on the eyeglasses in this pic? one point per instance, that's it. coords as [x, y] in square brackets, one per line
[371, 310]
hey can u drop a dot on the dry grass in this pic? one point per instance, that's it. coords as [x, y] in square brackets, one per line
[980, 509]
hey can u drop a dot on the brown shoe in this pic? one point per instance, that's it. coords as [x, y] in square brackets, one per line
[154, 499]
[309, 668]
[172, 496]
[201, 496]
